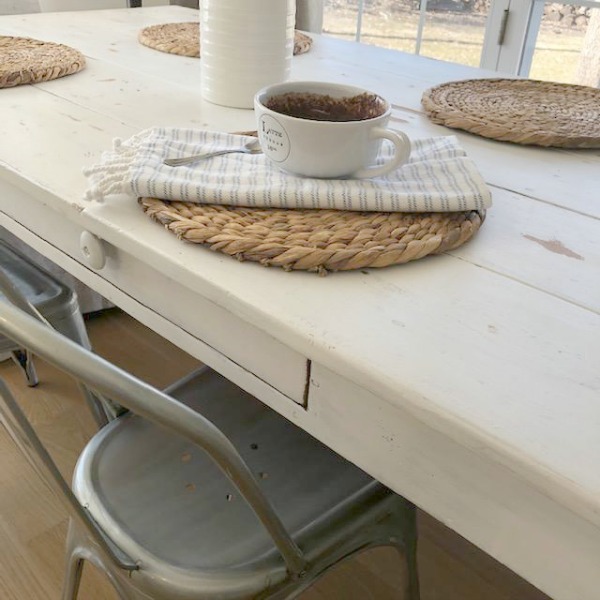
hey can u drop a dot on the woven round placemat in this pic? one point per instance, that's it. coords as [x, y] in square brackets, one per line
[523, 111]
[315, 240]
[184, 39]
[25, 60]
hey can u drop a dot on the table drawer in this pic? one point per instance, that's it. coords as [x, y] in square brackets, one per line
[243, 344]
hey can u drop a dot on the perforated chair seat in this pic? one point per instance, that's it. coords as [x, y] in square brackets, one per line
[165, 503]
[202, 492]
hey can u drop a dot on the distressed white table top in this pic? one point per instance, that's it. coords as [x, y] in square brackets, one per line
[496, 344]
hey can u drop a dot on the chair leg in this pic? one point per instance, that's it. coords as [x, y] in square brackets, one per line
[97, 407]
[408, 549]
[72, 325]
[74, 571]
[24, 360]
[124, 591]
[74, 563]
[78, 552]
[410, 557]
[73, 574]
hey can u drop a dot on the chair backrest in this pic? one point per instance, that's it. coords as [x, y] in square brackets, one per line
[14, 295]
[103, 377]
[22, 279]
[63, 5]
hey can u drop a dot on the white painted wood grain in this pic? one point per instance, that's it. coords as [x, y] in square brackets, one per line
[503, 513]
[565, 178]
[540, 245]
[490, 352]
[189, 343]
[255, 351]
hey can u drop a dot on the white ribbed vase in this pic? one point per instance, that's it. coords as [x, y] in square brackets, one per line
[245, 46]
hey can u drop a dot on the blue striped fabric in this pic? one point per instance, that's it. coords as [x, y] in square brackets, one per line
[439, 177]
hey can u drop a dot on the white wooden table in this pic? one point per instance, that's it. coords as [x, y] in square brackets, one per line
[467, 382]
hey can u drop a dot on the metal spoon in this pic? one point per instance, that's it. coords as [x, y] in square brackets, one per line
[252, 147]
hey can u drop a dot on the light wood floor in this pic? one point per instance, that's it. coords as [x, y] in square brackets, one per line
[33, 523]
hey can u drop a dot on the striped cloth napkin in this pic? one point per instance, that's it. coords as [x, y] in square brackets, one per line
[439, 177]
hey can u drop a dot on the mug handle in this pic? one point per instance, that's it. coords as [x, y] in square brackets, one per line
[401, 153]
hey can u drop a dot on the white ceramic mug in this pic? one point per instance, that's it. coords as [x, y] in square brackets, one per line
[326, 149]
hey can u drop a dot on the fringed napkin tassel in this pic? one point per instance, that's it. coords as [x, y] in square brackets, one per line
[110, 176]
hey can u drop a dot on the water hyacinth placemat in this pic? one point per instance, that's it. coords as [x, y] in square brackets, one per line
[318, 240]
[184, 39]
[26, 60]
[242, 206]
[522, 111]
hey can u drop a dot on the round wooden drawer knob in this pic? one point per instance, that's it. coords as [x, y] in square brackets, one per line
[92, 248]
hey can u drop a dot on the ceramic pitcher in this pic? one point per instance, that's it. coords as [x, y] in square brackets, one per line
[245, 45]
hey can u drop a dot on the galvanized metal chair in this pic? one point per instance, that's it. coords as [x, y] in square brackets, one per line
[62, 5]
[43, 296]
[202, 492]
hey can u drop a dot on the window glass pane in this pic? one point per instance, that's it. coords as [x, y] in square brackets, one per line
[453, 30]
[340, 18]
[567, 48]
[390, 24]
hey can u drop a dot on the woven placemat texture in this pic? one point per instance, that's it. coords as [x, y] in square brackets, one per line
[522, 111]
[25, 60]
[184, 39]
[315, 240]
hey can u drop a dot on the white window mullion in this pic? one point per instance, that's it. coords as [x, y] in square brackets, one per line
[533, 28]
[359, 17]
[421, 25]
[510, 56]
[490, 54]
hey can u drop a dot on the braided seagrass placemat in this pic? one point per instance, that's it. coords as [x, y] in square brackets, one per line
[315, 240]
[184, 39]
[25, 60]
[523, 111]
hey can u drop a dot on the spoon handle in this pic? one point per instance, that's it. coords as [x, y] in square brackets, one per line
[179, 162]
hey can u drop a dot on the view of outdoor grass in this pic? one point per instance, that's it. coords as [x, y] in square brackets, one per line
[448, 35]
[557, 54]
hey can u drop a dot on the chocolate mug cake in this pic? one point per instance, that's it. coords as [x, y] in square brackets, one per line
[323, 107]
